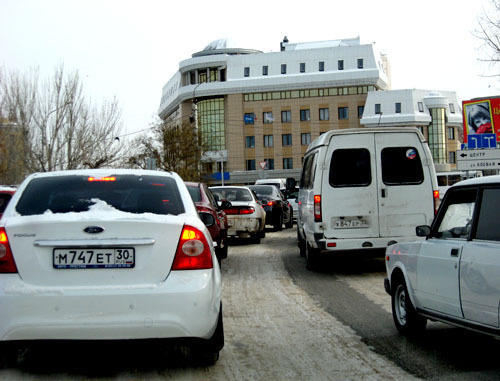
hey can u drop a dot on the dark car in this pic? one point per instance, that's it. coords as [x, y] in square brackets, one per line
[214, 217]
[278, 210]
[5, 196]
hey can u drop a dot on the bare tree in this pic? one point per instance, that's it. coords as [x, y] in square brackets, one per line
[60, 128]
[488, 32]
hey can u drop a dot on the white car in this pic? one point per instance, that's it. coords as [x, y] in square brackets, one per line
[108, 255]
[245, 216]
[454, 275]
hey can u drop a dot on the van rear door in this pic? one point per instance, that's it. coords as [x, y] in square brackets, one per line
[349, 188]
[405, 191]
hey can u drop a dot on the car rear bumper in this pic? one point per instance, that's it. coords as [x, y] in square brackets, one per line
[358, 243]
[185, 305]
[241, 226]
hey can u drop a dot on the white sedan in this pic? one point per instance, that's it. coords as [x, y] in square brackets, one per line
[454, 275]
[108, 255]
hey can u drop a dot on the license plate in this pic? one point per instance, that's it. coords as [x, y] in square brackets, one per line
[94, 258]
[348, 223]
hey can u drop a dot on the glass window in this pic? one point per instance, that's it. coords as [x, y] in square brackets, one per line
[377, 108]
[361, 110]
[305, 115]
[251, 165]
[457, 217]
[452, 157]
[398, 108]
[401, 166]
[343, 113]
[250, 142]
[321, 66]
[420, 107]
[286, 116]
[451, 133]
[307, 176]
[305, 139]
[324, 114]
[452, 108]
[211, 118]
[487, 227]
[287, 163]
[341, 64]
[283, 68]
[265, 70]
[286, 139]
[268, 140]
[302, 67]
[269, 163]
[249, 118]
[350, 167]
[267, 117]
[246, 71]
[360, 63]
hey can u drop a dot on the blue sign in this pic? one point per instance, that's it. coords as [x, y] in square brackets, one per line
[481, 141]
[217, 176]
[249, 118]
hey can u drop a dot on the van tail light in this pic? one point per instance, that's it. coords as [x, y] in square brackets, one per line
[437, 201]
[317, 208]
[193, 251]
[7, 264]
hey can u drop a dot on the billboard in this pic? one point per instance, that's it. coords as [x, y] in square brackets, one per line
[481, 122]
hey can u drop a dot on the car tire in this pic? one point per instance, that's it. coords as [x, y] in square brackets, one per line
[301, 243]
[289, 224]
[408, 322]
[255, 238]
[208, 354]
[312, 257]
[278, 222]
[221, 250]
[262, 233]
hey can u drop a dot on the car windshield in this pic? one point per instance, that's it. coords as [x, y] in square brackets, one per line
[233, 194]
[77, 193]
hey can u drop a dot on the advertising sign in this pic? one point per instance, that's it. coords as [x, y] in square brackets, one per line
[481, 122]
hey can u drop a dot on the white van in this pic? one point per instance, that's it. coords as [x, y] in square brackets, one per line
[364, 188]
[280, 183]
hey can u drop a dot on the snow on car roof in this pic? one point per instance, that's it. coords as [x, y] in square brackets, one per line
[479, 180]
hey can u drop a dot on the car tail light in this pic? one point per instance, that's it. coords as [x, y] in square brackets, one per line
[7, 264]
[231, 211]
[317, 208]
[247, 210]
[105, 178]
[437, 201]
[193, 251]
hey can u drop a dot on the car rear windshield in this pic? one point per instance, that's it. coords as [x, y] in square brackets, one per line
[195, 192]
[401, 166]
[76, 193]
[263, 190]
[233, 194]
[4, 200]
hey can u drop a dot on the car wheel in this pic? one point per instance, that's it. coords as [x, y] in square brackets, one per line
[263, 233]
[221, 250]
[301, 243]
[289, 224]
[255, 238]
[208, 354]
[312, 257]
[407, 320]
[278, 222]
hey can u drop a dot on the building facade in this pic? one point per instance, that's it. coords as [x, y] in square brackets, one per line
[438, 115]
[258, 112]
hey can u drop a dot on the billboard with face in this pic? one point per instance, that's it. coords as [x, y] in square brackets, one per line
[481, 116]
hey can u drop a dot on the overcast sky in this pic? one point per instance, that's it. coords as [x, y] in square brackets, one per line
[130, 49]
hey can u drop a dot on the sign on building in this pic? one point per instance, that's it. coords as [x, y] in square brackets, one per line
[478, 160]
[481, 122]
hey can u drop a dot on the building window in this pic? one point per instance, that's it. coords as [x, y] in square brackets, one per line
[398, 108]
[452, 157]
[302, 67]
[360, 63]
[420, 107]
[361, 110]
[283, 68]
[267, 117]
[321, 66]
[269, 163]
[250, 142]
[249, 118]
[286, 116]
[343, 113]
[211, 116]
[286, 139]
[251, 165]
[452, 108]
[268, 141]
[287, 163]
[246, 72]
[305, 115]
[264, 70]
[377, 108]
[324, 114]
[451, 133]
[421, 129]
[305, 139]
[341, 64]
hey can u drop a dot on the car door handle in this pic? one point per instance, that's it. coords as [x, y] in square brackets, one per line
[383, 192]
[454, 252]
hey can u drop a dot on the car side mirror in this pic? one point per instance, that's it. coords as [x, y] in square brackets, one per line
[207, 219]
[423, 231]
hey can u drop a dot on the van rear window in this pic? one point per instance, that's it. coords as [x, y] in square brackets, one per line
[401, 166]
[350, 168]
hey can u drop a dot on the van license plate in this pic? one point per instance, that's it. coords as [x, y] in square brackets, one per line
[348, 223]
[95, 258]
